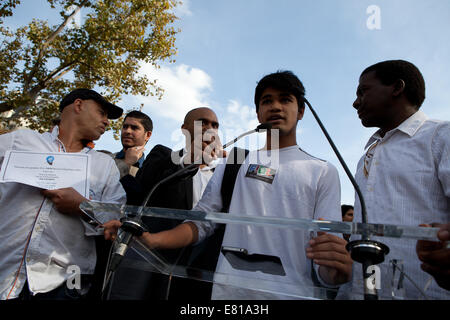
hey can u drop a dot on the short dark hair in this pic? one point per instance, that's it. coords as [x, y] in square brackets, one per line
[345, 208]
[281, 80]
[56, 121]
[146, 121]
[392, 70]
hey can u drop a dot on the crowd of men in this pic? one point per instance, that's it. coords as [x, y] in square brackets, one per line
[404, 176]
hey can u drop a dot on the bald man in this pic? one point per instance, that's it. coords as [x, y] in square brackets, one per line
[199, 127]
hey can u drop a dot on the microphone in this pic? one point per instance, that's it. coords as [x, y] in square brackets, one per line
[132, 226]
[365, 251]
[262, 126]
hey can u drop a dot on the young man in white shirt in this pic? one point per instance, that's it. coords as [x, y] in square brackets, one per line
[44, 233]
[405, 174]
[280, 180]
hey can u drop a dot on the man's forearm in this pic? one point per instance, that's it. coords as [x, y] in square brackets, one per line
[178, 237]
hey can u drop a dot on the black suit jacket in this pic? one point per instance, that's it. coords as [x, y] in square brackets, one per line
[177, 194]
[158, 165]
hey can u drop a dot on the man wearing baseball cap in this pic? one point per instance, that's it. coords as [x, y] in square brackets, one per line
[44, 233]
[112, 110]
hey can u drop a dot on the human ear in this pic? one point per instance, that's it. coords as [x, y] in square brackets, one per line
[78, 105]
[258, 116]
[399, 87]
[148, 135]
[301, 112]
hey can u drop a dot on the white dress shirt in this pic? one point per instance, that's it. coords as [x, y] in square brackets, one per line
[408, 184]
[38, 242]
[199, 182]
[200, 179]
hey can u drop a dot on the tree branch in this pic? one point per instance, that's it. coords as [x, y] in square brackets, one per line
[47, 43]
[52, 75]
[61, 74]
[17, 111]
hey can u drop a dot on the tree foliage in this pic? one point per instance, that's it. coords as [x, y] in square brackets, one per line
[6, 8]
[41, 62]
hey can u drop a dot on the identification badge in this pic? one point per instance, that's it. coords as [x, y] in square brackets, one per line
[260, 172]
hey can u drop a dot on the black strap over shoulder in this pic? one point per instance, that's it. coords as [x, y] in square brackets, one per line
[234, 162]
[209, 249]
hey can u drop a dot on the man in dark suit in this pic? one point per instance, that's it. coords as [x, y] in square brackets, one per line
[180, 193]
[162, 162]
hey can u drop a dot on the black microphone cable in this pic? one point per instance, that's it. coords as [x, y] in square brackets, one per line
[341, 160]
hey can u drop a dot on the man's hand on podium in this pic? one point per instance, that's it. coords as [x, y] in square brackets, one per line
[436, 255]
[328, 251]
[110, 229]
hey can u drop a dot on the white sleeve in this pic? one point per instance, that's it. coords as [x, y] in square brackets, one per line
[328, 204]
[440, 147]
[113, 192]
[328, 196]
[211, 201]
[6, 143]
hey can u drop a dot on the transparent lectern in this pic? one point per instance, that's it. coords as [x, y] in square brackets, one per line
[274, 267]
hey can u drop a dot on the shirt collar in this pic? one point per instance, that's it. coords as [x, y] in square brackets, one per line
[54, 136]
[55, 133]
[409, 126]
[120, 154]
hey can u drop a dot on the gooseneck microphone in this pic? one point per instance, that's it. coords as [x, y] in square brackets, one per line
[132, 226]
[262, 126]
[365, 251]
[341, 160]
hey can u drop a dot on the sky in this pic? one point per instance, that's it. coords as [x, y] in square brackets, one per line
[225, 47]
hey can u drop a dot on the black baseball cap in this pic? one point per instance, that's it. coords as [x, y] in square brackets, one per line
[113, 111]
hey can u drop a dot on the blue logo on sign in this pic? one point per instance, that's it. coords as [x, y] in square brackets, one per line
[50, 160]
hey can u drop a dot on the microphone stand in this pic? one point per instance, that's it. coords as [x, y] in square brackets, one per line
[132, 224]
[365, 251]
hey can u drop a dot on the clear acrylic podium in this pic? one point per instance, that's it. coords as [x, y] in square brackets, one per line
[227, 271]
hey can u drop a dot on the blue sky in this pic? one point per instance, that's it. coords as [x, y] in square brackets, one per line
[225, 47]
